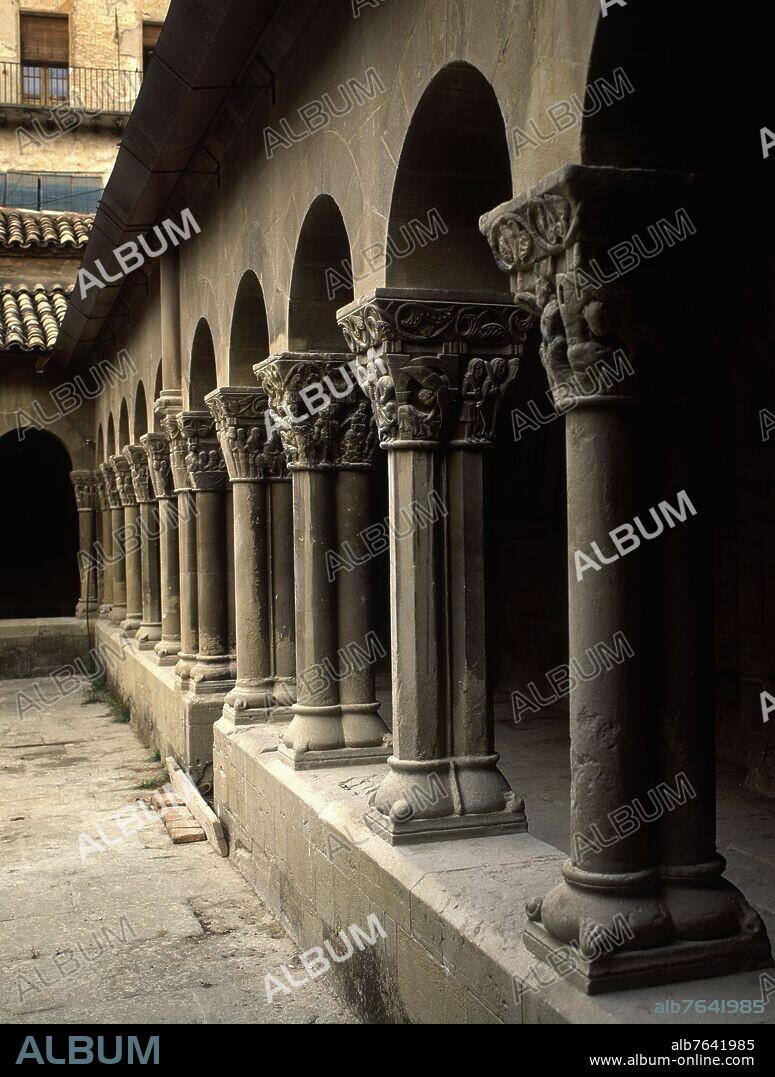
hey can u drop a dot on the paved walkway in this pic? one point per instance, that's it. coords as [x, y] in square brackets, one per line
[140, 932]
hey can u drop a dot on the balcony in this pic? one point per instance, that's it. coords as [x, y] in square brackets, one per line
[96, 91]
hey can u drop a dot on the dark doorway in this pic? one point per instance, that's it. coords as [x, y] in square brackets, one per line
[39, 537]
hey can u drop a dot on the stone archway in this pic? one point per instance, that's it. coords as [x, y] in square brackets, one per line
[41, 529]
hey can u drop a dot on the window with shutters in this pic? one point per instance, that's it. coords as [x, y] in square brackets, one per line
[151, 31]
[44, 59]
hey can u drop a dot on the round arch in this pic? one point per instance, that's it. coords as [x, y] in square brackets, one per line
[249, 340]
[123, 427]
[202, 371]
[140, 423]
[454, 166]
[322, 279]
[110, 440]
[39, 553]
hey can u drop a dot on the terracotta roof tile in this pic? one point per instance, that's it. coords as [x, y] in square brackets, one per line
[30, 317]
[26, 228]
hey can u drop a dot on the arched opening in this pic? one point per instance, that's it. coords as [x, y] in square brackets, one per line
[322, 252]
[141, 421]
[638, 118]
[123, 428]
[100, 445]
[158, 384]
[110, 441]
[202, 374]
[249, 343]
[39, 550]
[454, 167]
[672, 123]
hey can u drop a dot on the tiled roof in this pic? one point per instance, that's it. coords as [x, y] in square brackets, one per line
[30, 317]
[27, 228]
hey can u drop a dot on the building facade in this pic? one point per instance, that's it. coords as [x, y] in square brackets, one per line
[425, 391]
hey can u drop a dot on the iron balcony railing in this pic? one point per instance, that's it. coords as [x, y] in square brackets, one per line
[92, 89]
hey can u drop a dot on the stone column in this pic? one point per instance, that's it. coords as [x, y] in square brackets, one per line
[86, 499]
[436, 370]
[102, 532]
[207, 477]
[187, 528]
[282, 588]
[130, 539]
[113, 547]
[149, 632]
[644, 873]
[329, 442]
[157, 449]
[252, 461]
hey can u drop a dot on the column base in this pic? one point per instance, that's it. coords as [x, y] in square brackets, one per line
[148, 635]
[638, 930]
[131, 623]
[300, 759]
[167, 652]
[86, 608]
[105, 609]
[185, 664]
[249, 704]
[444, 799]
[284, 694]
[210, 675]
[677, 963]
[320, 737]
[117, 614]
[452, 828]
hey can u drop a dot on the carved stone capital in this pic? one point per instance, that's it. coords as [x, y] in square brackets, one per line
[435, 366]
[251, 445]
[85, 487]
[407, 320]
[99, 486]
[176, 443]
[113, 501]
[157, 450]
[137, 459]
[204, 461]
[123, 473]
[318, 407]
[593, 253]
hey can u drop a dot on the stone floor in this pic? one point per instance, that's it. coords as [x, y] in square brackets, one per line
[141, 932]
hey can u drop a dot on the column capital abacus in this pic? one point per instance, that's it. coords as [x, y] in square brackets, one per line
[85, 487]
[316, 404]
[157, 450]
[113, 501]
[435, 366]
[137, 459]
[124, 485]
[251, 445]
[205, 466]
[590, 252]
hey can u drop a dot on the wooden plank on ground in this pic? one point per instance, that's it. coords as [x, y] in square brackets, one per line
[198, 807]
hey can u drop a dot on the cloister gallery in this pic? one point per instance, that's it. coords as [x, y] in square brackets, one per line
[364, 506]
